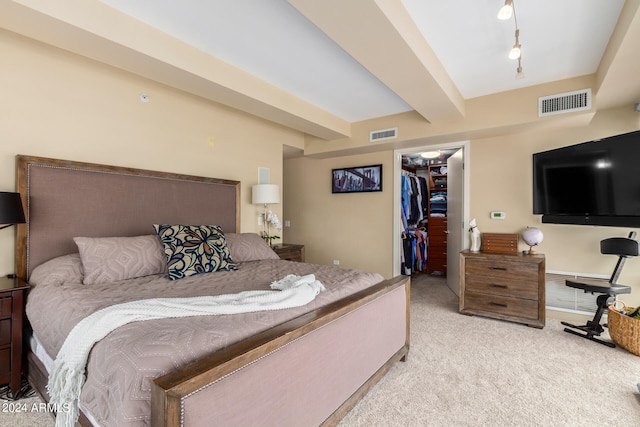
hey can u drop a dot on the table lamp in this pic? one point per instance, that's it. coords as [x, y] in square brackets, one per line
[10, 210]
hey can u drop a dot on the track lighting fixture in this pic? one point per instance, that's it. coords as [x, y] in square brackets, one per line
[506, 12]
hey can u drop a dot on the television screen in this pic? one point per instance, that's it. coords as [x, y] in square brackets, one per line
[595, 182]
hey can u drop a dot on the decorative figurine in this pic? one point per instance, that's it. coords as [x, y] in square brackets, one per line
[475, 236]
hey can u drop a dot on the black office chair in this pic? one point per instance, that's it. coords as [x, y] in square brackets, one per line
[624, 247]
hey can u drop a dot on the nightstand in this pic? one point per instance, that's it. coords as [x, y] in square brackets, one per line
[11, 314]
[289, 252]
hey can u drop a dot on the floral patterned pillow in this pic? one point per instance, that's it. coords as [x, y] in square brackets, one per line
[194, 249]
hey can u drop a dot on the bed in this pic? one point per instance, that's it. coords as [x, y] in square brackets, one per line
[299, 366]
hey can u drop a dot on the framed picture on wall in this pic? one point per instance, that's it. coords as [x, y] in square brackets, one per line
[357, 179]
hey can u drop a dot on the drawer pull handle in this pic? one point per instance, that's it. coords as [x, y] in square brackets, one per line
[498, 304]
[493, 285]
[498, 268]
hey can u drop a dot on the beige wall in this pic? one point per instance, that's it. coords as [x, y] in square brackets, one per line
[501, 180]
[357, 228]
[57, 104]
[354, 228]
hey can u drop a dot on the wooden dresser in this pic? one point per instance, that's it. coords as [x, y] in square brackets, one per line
[508, 287]
[289, 252]
[11, 315]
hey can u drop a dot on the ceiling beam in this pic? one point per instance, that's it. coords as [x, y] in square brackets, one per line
[621, 62]
[383, 38]
[94, 30]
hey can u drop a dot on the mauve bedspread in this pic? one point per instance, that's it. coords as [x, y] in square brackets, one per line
[121, 366]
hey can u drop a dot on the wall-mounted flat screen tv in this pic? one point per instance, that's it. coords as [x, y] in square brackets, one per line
[593, 183]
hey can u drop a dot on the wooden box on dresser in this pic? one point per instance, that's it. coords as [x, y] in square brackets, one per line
[11, 315]
[503, 286]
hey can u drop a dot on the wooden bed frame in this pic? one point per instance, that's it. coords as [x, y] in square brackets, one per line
[378, 315]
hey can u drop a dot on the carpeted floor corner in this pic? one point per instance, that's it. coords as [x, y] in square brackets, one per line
[25, 409]
[474, 371]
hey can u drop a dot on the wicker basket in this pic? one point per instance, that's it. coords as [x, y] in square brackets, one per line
[624, 330]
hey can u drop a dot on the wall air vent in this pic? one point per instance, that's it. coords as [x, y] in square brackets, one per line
[382, 134]
[561, 103]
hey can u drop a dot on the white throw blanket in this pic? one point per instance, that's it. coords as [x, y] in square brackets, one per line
[67, 376]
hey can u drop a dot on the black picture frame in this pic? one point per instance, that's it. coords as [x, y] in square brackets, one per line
[360, 179]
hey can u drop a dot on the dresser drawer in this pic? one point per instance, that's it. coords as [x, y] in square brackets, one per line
[5, 306]
[502, 286]
[437, 240]
[12, 292]
[503, 269]
[501, 305]
[5, 364]
[5, 332]
[438, 221]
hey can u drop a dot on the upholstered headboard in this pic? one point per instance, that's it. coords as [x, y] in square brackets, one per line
[65, 199]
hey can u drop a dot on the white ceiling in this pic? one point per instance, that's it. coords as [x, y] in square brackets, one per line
[273, 41]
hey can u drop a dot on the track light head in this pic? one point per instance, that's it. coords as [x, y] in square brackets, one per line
[506, 11]
[516, 52]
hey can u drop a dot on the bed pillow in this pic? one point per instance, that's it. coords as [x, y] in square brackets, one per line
[248, 247]
[194, 249]
[57, 271]
[111, 259]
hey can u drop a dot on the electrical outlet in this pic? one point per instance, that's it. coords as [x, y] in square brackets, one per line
[287, 223]
[336, 262]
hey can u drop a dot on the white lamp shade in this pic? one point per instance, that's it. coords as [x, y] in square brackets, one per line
[265, 194]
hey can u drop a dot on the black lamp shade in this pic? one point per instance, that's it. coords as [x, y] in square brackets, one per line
[11, 209]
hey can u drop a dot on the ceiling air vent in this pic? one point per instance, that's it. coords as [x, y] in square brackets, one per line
[382, 134]
[568, 102]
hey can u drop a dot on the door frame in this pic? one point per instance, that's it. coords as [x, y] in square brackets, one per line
[397, 191]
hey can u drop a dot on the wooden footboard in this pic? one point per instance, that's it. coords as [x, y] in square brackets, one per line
[327, 359]
[368, 331]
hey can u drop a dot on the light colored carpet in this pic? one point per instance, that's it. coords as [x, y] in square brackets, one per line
[473, 371]
[27, 411]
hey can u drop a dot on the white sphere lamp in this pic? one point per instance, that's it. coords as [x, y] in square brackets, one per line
[532, 236]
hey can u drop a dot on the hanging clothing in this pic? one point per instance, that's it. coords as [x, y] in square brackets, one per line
[414, 252]
[406, 196]
[415, 193]
[414, 201]
[424, 190]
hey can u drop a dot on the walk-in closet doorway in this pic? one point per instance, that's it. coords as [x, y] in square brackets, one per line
[455, 215]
